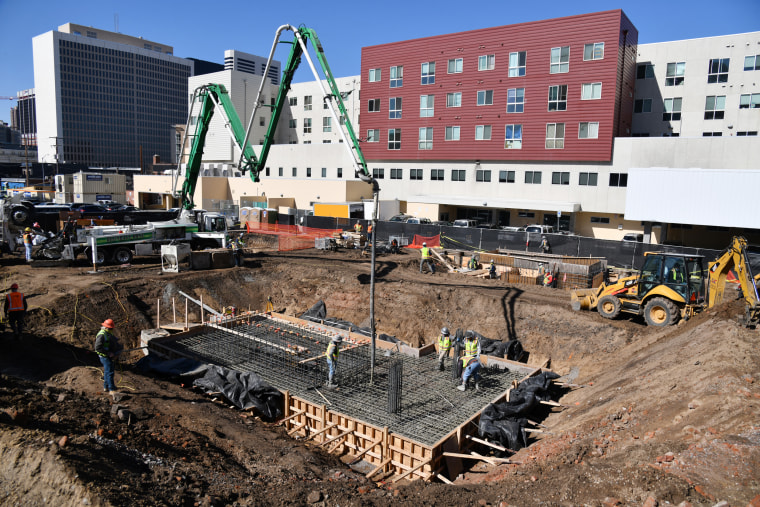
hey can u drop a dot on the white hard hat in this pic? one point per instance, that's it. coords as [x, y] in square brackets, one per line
[337, 339]
[424, 244]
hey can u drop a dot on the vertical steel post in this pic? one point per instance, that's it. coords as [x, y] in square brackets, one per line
[372, 288]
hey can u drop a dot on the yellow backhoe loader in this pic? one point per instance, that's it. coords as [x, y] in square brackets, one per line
[674, 286]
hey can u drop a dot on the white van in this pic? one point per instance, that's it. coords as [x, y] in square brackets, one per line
[540, 229]
[465, 223]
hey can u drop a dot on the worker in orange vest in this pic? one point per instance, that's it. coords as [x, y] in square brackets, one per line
[28, 239]
[15, 310]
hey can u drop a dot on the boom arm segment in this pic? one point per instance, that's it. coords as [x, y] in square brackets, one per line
[734, 257]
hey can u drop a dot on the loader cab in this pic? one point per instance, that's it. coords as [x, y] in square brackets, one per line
[213, 222]
[681, 273]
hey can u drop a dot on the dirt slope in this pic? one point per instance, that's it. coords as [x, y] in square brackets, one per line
[671, 414]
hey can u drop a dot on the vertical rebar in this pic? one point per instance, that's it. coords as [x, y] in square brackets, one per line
[395, 380]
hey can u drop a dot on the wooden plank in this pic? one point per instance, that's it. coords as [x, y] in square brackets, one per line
[490, 444]
[378, 468]
[484, 458]
[326, 428]
[335, 438]
[420, 465]
[296, 427]
[283, 421]
[440, 258]
[443, 479]
[322, 355]
[365, 451]
[476, 456]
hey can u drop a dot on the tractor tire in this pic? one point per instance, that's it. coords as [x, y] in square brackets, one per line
[660, 312]
[608, 306]
[122, 255]
[21, 215]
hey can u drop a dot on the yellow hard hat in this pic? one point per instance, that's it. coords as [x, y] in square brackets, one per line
[28, 229]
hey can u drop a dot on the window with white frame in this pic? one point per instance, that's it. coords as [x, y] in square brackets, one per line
[415, 174]
[307, 103]
[506, 176]
[485, 97]
[454, 99]
[294, 172]
[452, 133]
[482, 132]
[426, 138]
[558, 98]
[672, 109]
[715, 106]
[533, 177]
[752, 62]
[593, 51]
[373, 135]
[326, 124]
[513, 137]
[560, 60]
[749, 101]
[394, 139]
[397, 76]
[293, 123]
[397, 174]
[307, 125]
[588, 130]
[591, 91]
[378, 173]
[324, 172]
[717, 70]
[280, 171]
[340, 172]
[308, 172]
[458, 175]
[436, 174]
[374, 75]
[587, 179]
[645, 71]
[642, 106]
[428, 73]
[674, 73]
[555, 136]
[483, 175]
[515, 100]
[486, 62]
[373, 105]
[426, 106]
[560, 178]
[293, 101]
[517, 64]
[455, 66]
[394, 108]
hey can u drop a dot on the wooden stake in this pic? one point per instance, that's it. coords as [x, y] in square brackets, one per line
[411, 470]
[335, 438]
[158, 314]
[489, 444]
[484, 458]
[174, 310]
[326, 428]
[442, 478]
[295, 414]
[470, 456]
[323, 396]
[378, 468]
[365, 451]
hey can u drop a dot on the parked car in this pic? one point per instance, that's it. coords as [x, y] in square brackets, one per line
[415, 220]
[633, 237]
[442, 222]
[400, 218]
[465, 223]
[540, 229]
[512, 228]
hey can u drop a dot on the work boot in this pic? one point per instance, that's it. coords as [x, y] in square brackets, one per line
[461, 387]
[440, 366]
[477, 386]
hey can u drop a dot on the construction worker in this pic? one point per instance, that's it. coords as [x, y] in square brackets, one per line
[369, 233]
[107, 347]
[425, 252]
[470, 361]
[473, 263]
[357, 227]
[28, 239]
[545, 246]
[332, 359]
[237, 249]
[444, 346]
[492, 270]
[394, 246]
[15, 310]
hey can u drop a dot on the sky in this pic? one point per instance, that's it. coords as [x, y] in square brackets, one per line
[204, 30]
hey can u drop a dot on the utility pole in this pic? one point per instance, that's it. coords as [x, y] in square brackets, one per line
[57, 144]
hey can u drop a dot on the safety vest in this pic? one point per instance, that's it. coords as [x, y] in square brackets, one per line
[470, 351]
[473, 264]
[444, 343]
[332, 351]
[425, 252]
[15, 302]
[358, 227]
[27, 238]
[369, 229]
[467, 360]
[106, 341]
[236, 244]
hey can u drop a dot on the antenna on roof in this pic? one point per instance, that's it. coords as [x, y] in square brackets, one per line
[116, 23]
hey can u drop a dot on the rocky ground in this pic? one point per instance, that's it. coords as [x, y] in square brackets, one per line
[666, 417]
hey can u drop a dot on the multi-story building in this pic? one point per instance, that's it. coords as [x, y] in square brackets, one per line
[24, 117]
[252, 64]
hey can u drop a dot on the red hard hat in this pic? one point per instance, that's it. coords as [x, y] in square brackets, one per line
[14, 286]
[108, 323]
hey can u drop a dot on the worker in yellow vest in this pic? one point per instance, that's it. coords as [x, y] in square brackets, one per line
[332, 359]
[444, 346]
[15, 310]
[425, 252]
[28, 241]
[470, 361]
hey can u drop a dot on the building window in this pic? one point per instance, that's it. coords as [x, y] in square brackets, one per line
[742, 133]
[428, 73]
[266, 172]
[600, 220]
[294, 172]
[436, 174]
[394, 139]
[454, 99]
[515, 100]
[326, 124]
[749, 101]
[594, 51]
[533, 177]
[591, 91]
[712, 134]
[486, 62]
[394, 108]
[587, 179]
[513, 137]
[374, 75]
[618, 179]
[307, 103]
[455, 66]
[674, 74]
[292, 123]
[588, 130]
[526, 214]
[483, 175]
[373, 105]
[293, 101]
[485, 97]
[262, 121]
[397, 174]
[717, 70]
[397, 76]
[307, 125]
[308, 172]
[458, 174]
[558, 98]
[517, 64]
[426, 138]
[373, 136]
[426, 106]
[340, 172]
[560, 178]
[560, 60]
[378, 173]
[415, 174]
[452, 133]
[324, 172]
[279, 171]
[482, 132]
[752, 62]
[645, 71]
[672, 109]
[555, 136]
[506, 176]
[642, 106]
[715, 106]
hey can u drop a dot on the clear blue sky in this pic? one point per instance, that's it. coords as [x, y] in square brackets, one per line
[205, 29]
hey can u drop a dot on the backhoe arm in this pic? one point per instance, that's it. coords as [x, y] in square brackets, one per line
[734, 257]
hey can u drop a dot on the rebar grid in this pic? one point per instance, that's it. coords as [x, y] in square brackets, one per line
[430, 404]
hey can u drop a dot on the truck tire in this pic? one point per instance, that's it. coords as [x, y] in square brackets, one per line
[122, 255]
[21, 215]
[101, 259]
[608, 306]
[660, 312]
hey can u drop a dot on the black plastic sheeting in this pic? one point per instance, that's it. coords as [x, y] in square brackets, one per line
[244, 390]
[505, 422]
[318, 313]
[512, 349]
[173, 368]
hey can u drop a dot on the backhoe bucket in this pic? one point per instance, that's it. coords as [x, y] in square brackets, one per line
[583, 299]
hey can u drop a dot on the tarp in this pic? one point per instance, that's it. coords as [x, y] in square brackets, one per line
[181, 367]
[318, 313]
[244, 390]
[431, 241]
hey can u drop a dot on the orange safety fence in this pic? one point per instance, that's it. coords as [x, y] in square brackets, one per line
[291, 237]
[432, 241]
